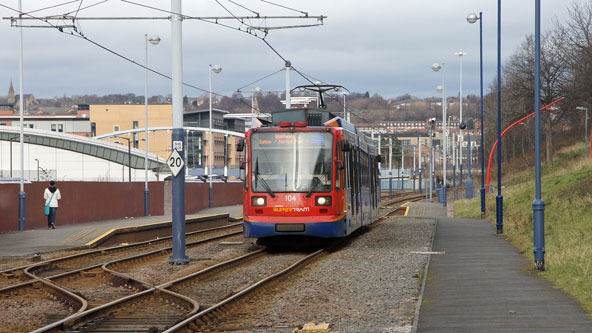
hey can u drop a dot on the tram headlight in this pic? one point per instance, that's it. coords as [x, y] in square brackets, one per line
[323, 201]
[259, 201]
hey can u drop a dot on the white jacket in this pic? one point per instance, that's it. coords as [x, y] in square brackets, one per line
[56, 196]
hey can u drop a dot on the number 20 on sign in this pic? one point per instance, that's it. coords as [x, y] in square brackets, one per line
[175, 162]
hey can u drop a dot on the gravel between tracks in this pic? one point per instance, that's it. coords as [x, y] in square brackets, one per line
[371, 285]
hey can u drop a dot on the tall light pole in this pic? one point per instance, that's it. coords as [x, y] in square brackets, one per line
[538, 205]
[345, 113]
[499, 199]
[216, 69]
[178, 135]
[129, 158]
[37, 169]
[288, 66]
[462, 125]
[22, 195]
[472, 18]
[586, 128]
[437, 67]
[154, 41]
[256, 90]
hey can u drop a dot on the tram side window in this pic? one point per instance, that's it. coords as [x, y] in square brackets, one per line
[337, 170]
[247, 176]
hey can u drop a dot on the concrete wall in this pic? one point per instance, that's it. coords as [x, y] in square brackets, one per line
[97, 201]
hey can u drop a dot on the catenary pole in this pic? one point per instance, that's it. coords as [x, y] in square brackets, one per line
[178, 183]
[22, 195]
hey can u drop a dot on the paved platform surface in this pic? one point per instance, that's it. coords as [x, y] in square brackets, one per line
[23, 244]
[478, 282]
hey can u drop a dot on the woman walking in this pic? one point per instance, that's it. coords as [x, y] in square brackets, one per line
[51, 196]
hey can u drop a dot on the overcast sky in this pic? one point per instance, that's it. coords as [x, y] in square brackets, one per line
[381, 46]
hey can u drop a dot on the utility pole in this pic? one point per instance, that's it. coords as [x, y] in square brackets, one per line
[288, 102]
[178, 135]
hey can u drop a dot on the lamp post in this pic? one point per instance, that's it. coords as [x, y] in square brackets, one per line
[216, 69]
[256, 90]
[469, 182]
[129, 158]
[437, 67]
[37, 169]
[538, 205]
[499, 199]
[22, 195]
[586, 129]
[154, 41]
[432, 123]
[10, 140]
[472, 18]
[462, 125]
[345, 113]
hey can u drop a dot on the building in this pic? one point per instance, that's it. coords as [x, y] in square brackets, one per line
[224, 145]
[111, 118]
[108, 118]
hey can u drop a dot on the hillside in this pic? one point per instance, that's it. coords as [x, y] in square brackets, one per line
[568, 213]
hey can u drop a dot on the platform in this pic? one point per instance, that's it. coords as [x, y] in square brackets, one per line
[478, 282]
[24, 244]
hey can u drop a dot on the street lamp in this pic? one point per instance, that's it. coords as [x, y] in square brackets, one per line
[257, 90]
[462, 125]
[345, 114]
[37, 169]
[154, 41]
[472, 18]
[216, 69]
[129, 158]
[586, 129]
[538, 205]
[499, 199]
[437, 67]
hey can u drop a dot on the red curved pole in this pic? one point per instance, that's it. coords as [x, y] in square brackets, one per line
[504, 132]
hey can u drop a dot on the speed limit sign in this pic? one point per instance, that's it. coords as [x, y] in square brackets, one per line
[175, 162]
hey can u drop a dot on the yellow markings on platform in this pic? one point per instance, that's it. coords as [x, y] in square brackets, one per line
[76, 236]
[114, 230]
[101, 236]
[406, 208]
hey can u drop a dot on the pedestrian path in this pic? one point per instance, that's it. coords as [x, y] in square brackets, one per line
[478, 282]
[24, 244]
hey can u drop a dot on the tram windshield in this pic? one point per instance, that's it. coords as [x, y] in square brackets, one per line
[291, 162]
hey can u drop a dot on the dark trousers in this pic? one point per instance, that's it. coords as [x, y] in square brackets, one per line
[52, 215]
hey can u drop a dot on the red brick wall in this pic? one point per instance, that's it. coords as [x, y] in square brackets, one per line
[97, 201]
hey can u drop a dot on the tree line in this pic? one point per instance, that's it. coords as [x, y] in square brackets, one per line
[566, 69]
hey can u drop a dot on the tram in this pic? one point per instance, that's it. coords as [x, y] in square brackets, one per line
[309, 173]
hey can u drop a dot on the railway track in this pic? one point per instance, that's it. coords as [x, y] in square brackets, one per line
[106, 295]
[77, 289]
[232, 313]
[88, 259]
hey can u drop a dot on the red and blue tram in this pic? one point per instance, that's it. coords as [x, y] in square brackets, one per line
[321, 181]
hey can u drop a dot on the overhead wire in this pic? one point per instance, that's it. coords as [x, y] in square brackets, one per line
[83, 8]
[77, 10]
[261, 79]
[285, 7]
[78, 33]
[50, 7]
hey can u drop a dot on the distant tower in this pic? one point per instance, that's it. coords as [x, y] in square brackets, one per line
[11, 96]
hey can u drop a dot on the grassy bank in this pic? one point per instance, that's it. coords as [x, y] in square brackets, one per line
[567, 192]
